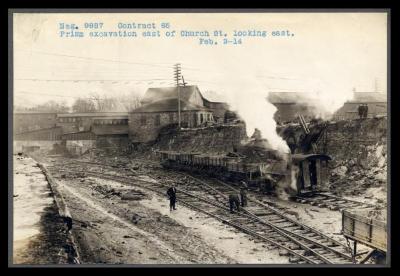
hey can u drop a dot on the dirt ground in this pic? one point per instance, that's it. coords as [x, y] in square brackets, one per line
[39, 234]
[110, 229]
[116, 223]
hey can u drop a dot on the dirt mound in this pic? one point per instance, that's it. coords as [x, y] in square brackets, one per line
[359, 153]
[219, 139]
[367, 169]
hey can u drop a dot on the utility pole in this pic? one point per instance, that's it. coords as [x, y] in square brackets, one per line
[177, 75]
[183, 81]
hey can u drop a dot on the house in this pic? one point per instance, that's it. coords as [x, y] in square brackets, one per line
[219, 110]
[160, 108]
[290, 105]
[377, 106]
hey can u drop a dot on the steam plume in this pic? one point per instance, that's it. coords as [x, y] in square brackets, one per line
[247, 97]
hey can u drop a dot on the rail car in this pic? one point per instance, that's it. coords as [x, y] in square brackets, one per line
[367, 231]
[310, 170]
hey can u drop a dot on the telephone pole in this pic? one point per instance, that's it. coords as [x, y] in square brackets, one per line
[177, 76]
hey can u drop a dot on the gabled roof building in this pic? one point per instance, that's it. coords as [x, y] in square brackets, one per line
[160, 108]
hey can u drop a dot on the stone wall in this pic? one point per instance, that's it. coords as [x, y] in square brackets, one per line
[214, 139]
[350, 139]
[147, 130]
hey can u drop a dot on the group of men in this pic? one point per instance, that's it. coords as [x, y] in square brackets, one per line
[235, 199]
[363, 111]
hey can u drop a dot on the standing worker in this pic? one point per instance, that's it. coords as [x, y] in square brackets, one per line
[68, 222]
[234, 202]
[243, 197]
[171, 192]
[366, 111]
[360, 111]
[243, 194]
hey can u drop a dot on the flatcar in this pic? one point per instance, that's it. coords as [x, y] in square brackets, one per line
[310, 171]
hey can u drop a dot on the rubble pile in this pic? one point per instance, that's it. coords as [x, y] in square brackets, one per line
[59, 149]
[365, 170]
[123, 193]
[103, 152]
[359, 152]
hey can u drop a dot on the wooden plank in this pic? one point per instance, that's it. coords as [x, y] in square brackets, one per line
[319, 174]
[368, 231]
[306, 174]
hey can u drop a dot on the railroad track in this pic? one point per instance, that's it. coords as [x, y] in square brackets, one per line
[277, 219]
[319, 199]
[264, 223]
[332, 202]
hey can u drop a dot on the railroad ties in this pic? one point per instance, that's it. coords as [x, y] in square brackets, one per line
[266, 221]
[262, 222]
[332, 202]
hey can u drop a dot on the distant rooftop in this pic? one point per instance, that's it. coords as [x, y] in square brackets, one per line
[33, 112]
[93, 114]
[288, 97]
[168, 105]
[369, 97]
[159, 93]
[213, 97]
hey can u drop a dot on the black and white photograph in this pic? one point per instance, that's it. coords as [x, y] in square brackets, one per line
[199, 138]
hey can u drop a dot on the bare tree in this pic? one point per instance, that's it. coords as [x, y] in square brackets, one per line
[97, 100]
[110, 104]
[104, 103]
[49, 106]
[129, 101]
[84, 105]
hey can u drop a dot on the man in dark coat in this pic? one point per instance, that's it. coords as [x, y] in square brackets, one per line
[234, 202]
[243, 194]
[361, 111]
[243, 197]
[171, 192]
[68, 222]
[366, 111]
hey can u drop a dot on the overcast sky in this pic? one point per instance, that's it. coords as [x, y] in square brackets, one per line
[330, 54]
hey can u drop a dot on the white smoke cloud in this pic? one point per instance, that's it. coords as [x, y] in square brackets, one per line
[247, 96]
[327, 99]
[322, 99]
